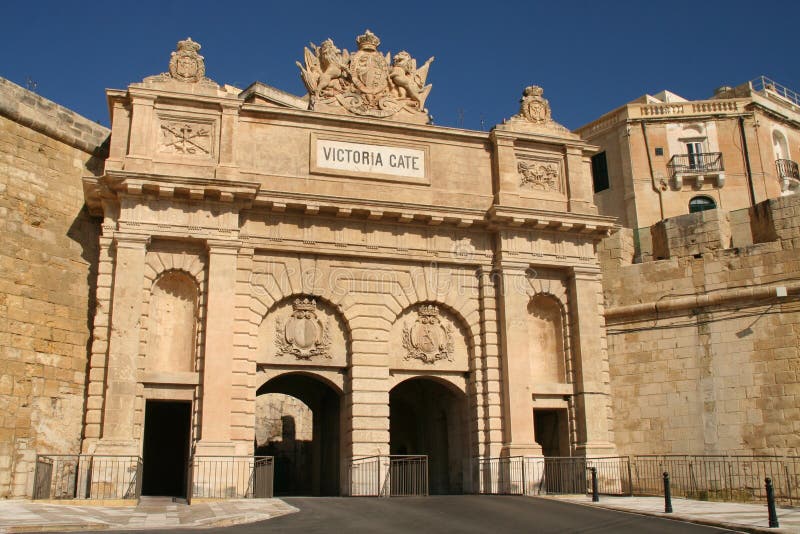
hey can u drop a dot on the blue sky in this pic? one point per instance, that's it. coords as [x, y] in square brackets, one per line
[590, 57]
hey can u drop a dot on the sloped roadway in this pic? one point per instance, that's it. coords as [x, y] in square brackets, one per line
[458, 513]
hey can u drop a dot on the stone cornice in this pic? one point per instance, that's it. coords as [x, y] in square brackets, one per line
[513, 217]
[680, 304]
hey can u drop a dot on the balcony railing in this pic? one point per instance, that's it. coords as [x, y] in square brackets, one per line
[788, 174]
[698, 166]
[787, 169]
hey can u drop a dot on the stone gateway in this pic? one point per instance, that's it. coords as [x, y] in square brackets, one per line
[330, 281]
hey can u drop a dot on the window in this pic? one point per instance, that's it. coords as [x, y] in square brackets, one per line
[701, 204]
[659, 151]
[695, 151]
[599, 172]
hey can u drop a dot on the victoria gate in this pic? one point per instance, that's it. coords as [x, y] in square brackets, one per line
[331, 291]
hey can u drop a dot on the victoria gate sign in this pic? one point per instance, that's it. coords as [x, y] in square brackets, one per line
[350, 158]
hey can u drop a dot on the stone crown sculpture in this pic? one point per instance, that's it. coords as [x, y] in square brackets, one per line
[366, 83]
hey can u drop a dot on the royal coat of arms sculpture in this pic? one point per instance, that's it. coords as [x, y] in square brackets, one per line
[367, 82]
[304, 335]
[428, 339]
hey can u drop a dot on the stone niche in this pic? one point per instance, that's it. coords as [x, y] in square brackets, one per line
[546, 334]
[172, 324]
[428, 337]
[305, 331]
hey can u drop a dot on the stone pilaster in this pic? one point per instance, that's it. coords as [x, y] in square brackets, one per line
[580, 185]
[142, 143]
[517, 394]
[123, 347]
[592, 388]
[217, 379]
[490, 403]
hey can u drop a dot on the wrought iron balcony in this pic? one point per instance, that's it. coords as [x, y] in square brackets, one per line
[697, 166]
[788, 174]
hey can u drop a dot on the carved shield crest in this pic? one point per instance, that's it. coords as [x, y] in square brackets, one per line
[428, 339]
[186, 64]
[369, 71]
[304, 335]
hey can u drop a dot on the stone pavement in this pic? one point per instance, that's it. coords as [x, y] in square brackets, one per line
[735, 516]
[150, 513]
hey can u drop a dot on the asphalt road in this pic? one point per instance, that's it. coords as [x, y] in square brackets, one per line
[461, 514]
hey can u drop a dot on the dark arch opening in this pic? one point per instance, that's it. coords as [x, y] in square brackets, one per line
[307, 456]
[427, 417]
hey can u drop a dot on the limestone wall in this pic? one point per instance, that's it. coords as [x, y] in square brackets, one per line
[703, 353]
[48, 259]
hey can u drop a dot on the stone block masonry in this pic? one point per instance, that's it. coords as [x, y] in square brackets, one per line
[48, 260]
[703, 352]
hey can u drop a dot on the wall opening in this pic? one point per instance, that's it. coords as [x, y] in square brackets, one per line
[551, 431]
[298, 421]
[165, 452]
[426, 417]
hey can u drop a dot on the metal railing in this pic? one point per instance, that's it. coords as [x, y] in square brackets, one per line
[787, 169]
[764, 84]
[724, 478]
[388, 476]
[699, 163]
[719, 478]
[87, 476]
[517, 475]
[231, 477]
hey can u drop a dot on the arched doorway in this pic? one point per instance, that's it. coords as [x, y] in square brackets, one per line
[428, 417]
[298, 421]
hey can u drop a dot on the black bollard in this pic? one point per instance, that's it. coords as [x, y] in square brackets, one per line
[667, 495]
[773, 514]
[595, 494]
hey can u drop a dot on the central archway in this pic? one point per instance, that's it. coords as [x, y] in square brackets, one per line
[298, 421]
[428, 417]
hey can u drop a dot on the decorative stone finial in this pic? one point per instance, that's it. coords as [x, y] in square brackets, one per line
[534, 114]
[185, 64]
[534, 107]
[366, 83]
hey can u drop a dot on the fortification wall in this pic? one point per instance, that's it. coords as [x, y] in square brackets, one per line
[48, 260]
[703, 351]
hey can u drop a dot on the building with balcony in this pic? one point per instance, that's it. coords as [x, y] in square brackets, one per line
[661, 155]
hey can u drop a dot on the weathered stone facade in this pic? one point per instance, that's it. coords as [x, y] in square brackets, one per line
[703, 345]
[48, 269]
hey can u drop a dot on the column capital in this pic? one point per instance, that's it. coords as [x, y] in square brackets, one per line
[585, 273]
[134, 241]
[220, 246]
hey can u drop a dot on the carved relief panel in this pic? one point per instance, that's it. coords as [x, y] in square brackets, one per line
[540, 174]
[428, 337]
[186, 138]
[302, 330]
